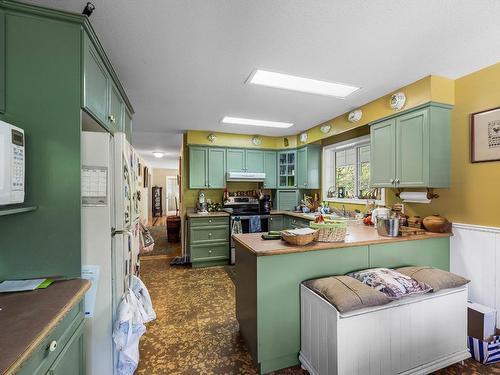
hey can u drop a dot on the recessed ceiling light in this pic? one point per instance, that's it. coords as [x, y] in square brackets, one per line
[158, 154]
[294, 83]
[253, 122]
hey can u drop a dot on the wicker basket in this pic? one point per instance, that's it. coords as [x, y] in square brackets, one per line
[298, 240]
[330, 232]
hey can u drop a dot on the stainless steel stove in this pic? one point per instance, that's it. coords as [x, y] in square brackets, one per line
[245, 207]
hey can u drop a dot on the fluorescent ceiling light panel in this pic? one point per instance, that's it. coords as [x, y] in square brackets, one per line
[294, 83]
[158, 154]
[253, 122]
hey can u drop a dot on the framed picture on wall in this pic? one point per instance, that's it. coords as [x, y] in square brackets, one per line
[146, 184]
[485, 135]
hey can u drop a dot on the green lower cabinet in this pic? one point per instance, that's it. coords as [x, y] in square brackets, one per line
[208, 241]
[276, 222]
[270, 169]
[62, 351]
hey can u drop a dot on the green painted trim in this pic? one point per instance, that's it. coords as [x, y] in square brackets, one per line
[75, 18]
[2, 61]
[214, 263]
[409, 110]
[16, 210]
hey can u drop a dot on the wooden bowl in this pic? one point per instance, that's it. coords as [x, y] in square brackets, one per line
[298, 240]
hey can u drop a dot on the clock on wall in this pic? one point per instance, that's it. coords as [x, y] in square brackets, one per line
[398, 101]
[325, 128]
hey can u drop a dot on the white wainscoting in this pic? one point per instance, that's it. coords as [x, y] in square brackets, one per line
[475, 254]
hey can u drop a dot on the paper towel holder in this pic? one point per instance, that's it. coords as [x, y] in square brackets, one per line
[430, 193]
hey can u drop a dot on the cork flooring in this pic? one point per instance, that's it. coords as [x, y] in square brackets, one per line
[196, 331]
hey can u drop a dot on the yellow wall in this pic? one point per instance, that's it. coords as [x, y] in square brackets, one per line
[195, 137]
[473, 196]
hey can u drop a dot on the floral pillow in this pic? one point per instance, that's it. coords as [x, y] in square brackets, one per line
[392, 283]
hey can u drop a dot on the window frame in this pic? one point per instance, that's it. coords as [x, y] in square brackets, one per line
[329, 170]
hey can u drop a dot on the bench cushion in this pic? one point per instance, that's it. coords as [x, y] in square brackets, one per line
[346, 293]
[437, 279]
[390, 282]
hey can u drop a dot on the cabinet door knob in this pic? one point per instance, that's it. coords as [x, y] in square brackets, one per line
[210, 220]
[210, 235]
[271, 218]
[397, 180]
[112, 118]
[391, 180]
[210, 251]
[52, 345]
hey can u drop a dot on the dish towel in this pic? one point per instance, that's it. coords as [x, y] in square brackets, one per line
[255, 224]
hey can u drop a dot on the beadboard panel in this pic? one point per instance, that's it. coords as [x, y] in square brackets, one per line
[474, 254]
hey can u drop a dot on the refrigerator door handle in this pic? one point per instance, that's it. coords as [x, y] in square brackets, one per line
[128, 232]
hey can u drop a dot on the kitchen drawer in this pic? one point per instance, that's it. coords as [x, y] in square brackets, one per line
[204, 221]
[42, 359]
[213, 233]
[210, 252]
[298, 223]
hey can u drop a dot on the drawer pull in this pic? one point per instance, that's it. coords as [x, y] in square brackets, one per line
[52, 345]
[210, 235]
[210, 251]
[209, 220]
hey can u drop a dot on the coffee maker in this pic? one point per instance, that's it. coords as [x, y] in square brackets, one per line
[201, 205]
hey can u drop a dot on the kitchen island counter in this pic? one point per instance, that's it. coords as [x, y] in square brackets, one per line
[267, 287]
[357, 235]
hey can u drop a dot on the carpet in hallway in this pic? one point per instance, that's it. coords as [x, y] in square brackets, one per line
[196, 331]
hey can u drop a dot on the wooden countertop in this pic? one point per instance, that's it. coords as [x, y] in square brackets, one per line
[27, 318]
[357, 235]
[208, 214]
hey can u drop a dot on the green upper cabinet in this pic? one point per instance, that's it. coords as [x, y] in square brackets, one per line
[245, 160]
[270, 169]
[287, 169]
[127, 123]
[216, 168]
[254, 161]
[2, 61]
[412, 149]
[235, 160]
[207, 167]
[96, 83]
[382, 153]
[116, 110]
[309, 167]
[198, 167]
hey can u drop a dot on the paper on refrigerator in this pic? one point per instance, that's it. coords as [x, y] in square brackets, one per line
[91, 273]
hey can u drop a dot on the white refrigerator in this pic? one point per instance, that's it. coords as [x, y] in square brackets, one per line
[110, 236]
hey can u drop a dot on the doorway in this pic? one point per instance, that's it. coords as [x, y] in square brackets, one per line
[172, 195]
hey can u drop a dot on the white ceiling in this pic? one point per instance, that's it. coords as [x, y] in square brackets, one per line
[183, 63]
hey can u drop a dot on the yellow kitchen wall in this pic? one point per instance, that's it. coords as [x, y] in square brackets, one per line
[473, 195]
[196, 137]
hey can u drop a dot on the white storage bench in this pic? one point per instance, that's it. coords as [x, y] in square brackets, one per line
[414, 335]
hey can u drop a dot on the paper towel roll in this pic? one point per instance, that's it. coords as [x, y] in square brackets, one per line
[414, 197]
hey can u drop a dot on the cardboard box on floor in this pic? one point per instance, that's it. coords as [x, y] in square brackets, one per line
[481, 321]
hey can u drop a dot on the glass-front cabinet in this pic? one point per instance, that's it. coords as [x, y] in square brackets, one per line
[287, 169]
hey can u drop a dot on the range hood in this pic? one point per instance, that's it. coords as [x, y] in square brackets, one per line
[245, 176]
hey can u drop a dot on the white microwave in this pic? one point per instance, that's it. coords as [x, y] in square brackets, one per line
[12, 165]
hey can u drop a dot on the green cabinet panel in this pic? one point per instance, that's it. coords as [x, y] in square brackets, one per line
[383, 152]
[287, 168]
[128, 125]
[276, 222]
[70, 359]
[433, 252]
[216, 168]
[309, 167]
[96, 83]
[254, 161]
[235, 160]
[210, 253]
[212, 233]
[116, 110]
[412, 149]
[270, 169]
[204, 221]
[287, 200]
[2, 61]
[198, 167]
